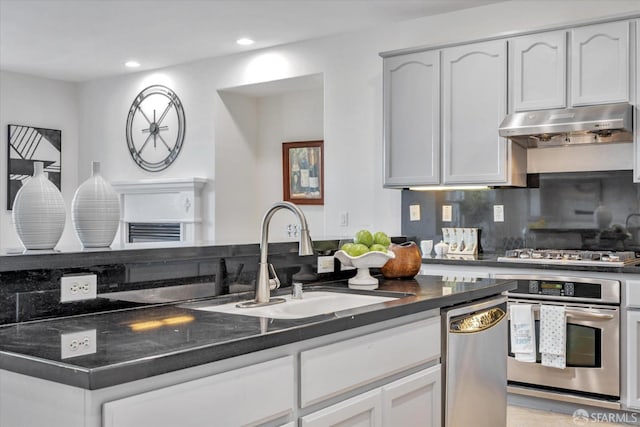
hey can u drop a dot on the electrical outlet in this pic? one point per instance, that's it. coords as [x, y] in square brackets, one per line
[414, 212]
[325, 264]
[292, 230]
[78, 287]
[447, 213]
[78, 343]
[498, 213]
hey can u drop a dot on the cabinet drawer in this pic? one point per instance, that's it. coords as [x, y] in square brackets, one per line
[245, 396]
[343, 366]
[359, 411]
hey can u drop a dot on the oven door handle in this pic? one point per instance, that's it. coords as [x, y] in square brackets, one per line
[585, 312]
[582, 312]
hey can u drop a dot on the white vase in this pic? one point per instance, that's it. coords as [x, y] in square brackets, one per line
[39, 213]
[95, 211]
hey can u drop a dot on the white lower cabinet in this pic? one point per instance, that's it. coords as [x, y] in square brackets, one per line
[247, 396]
[414, 400]
[382, 374]
[411, 401]
[343, 366]
[630, 368]
[633, 370]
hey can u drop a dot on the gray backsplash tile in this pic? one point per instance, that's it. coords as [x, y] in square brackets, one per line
[581, 210]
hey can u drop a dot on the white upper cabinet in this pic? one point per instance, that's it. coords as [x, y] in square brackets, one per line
[600, 64]
[412, 119]
[539, 71]
[474, 103]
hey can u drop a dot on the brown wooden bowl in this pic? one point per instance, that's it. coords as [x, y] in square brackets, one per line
[406, 263]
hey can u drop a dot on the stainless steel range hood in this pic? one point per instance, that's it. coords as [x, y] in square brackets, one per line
[570, 126]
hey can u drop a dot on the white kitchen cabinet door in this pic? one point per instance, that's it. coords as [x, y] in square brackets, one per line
[633, 359]
[363, 410]
[539, 64]
[414, 401]
[474, 104]
[600, 64]
[247, 396]
[412, 119]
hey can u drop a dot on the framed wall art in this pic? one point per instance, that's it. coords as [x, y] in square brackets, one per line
[27, 145]
[303, 172]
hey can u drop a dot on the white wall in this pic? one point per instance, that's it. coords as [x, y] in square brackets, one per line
[293, 116]
[352, 73]
[236, 160]
[255, 127]
[32, 101]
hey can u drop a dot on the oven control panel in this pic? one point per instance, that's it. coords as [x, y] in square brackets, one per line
[568, 289]
[564, 288]
[554, 288]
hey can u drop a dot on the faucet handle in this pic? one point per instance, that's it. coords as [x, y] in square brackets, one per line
[274, 283]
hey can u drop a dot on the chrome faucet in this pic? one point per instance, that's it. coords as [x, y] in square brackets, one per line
[264, 283]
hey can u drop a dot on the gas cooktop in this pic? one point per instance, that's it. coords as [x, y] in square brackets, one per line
[571, 257]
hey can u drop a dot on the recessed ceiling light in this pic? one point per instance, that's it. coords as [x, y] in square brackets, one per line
[244, 41]
[132, 64]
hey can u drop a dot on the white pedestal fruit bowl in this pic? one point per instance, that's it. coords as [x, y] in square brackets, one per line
[363, 278]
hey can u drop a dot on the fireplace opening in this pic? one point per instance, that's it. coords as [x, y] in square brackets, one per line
[144, 232]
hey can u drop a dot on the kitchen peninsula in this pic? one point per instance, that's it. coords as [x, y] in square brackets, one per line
[170, 359]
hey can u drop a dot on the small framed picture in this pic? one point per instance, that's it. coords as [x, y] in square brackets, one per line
[303, 172]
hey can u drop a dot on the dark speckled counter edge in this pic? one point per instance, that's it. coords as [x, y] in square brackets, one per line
[110, 375]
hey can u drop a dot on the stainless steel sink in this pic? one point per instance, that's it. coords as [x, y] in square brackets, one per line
[312, 304]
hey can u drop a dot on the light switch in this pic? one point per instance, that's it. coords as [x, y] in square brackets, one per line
[343, 219]
[446, 213]
[414, 213]
[498, 213]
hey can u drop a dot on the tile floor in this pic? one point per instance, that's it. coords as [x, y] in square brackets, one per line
[524, 417]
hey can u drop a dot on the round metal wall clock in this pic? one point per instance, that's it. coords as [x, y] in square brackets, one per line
[155, 128]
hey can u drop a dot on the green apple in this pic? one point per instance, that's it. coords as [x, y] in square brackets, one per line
[358, 249]
[378, 248]
[347, 247]
[381, 238]
[364, 237]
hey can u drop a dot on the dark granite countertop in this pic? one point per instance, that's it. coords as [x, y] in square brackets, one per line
[148, 341]
[491, 260]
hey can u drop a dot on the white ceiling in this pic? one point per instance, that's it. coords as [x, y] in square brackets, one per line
[79, 40]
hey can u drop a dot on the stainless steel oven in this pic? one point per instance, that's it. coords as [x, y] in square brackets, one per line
[592, 307]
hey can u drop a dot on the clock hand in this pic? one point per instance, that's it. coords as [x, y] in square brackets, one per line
[144, 115]
[164, 142]
[145, 143]
[164, 113]
[155, 128]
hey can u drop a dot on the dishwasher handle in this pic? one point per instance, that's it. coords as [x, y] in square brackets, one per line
[477, 322]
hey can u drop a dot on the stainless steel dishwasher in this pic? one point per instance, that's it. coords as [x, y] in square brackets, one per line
[475, 364]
